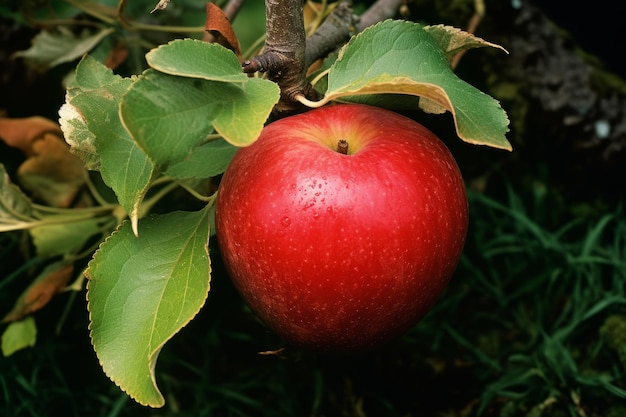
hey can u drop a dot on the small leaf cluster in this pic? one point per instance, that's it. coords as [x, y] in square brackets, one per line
[166, 126]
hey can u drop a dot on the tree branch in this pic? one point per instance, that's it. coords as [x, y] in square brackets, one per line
[232, 8]
[288, 53]
[283, 57]
[379, 11]
[334, 32]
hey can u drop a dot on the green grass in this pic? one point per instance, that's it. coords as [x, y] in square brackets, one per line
[561, 294]
[533, 324]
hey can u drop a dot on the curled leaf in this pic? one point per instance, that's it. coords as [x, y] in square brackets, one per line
[454, 40]
[218, 25]
[400, 57]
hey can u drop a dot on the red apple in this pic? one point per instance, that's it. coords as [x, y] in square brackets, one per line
[342, 252]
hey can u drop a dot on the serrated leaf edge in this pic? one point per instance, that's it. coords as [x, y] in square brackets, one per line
[153, 355]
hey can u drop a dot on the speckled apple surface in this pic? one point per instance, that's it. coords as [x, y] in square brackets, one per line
[342, 252]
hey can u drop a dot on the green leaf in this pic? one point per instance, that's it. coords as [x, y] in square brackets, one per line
[399, 57]
[19, 335]
[123, 165]
[66, 238]
[241, 117]
[182, 57]
[53, 48]
[15, 207]
[205, 161]
[170, 116]
[92, 75]
[13, 202]
[141, 291]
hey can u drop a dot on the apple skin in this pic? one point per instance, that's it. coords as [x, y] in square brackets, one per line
[342, 252]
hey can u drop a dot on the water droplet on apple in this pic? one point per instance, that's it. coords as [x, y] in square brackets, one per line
[286, 221]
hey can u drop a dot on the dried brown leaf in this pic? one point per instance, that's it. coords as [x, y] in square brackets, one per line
[52, 173]
[50, 282]
[218, 25]
[21, 133]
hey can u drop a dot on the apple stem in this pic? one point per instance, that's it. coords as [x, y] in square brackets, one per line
[342, 146]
